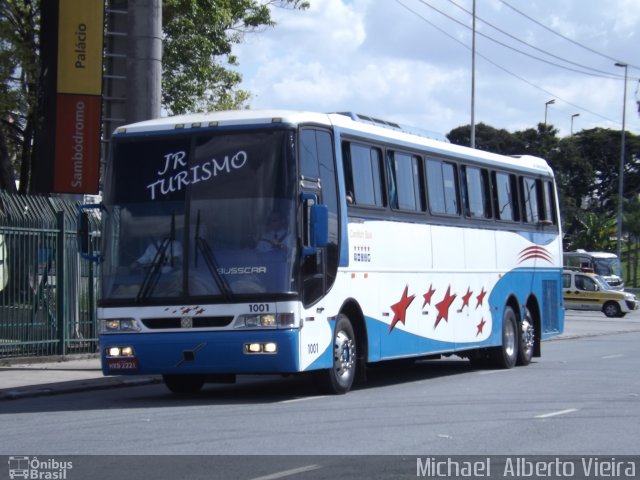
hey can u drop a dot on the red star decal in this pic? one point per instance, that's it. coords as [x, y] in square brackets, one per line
[400, 308]
[444, 305]
[480, 298]
[427, 296]
[480, 326]
[466, 298]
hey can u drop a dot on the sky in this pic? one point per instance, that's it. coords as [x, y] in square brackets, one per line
[410, 61]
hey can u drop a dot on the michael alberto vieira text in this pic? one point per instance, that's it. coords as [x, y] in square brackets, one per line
[520, 467]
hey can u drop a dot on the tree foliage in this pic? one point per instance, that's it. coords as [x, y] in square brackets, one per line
[198, 61]
[586, 166]
[198, 66]
[19, 73]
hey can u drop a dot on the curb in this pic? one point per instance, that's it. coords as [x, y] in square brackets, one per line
[75, 386]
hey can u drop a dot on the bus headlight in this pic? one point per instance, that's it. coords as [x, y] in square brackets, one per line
[260, 348]
[120, 352]
[265, 320]
[113, 325]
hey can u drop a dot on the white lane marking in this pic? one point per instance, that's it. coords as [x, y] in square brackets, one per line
[301, 399]
[490, 372]
[554, 414]
[288, 473]
[617, 355]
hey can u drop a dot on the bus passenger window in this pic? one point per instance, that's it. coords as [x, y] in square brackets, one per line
[366, 175]
[442, 186]
[548, 211]
[530, 201]
[475, 189]
[406, 176]
[505, 196]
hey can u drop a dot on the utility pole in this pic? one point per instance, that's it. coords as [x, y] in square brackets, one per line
[473, 79]
[144, 60]
[133, 62]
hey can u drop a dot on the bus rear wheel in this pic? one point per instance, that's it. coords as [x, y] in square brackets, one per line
[506, 355]
[339, 378]
[183, 384]
[526, 339]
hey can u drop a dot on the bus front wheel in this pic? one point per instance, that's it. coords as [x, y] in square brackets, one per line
[506, 355]
[339, 378]
[183, 384]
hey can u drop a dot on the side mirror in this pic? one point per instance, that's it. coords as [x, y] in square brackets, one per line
[319, 226]
[85, 233]
[316, 224]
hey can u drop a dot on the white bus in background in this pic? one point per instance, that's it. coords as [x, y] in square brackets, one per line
[290, 242]
[605, 264]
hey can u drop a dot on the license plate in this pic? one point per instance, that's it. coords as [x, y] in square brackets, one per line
[121, 364]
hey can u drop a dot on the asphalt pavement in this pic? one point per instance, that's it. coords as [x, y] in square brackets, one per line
[21, 378]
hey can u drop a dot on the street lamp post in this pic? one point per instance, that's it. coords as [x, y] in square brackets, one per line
[621, 172]
[572, 117]
[546, 105]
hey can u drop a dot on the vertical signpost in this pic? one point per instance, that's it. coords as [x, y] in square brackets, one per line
[67, 158]
[79, 96]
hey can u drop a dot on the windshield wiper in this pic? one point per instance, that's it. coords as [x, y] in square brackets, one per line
[210, 260]
[153, 274]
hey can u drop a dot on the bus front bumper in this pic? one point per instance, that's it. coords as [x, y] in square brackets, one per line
[200, 352]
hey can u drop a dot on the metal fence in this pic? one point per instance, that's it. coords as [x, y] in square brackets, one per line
[47, 292]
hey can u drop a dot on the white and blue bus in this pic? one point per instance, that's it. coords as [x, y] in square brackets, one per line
[280, 242]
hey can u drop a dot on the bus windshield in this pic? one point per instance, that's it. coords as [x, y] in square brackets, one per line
[607, 266]
[208, 215]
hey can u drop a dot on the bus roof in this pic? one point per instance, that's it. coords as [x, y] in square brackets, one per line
[347, 122]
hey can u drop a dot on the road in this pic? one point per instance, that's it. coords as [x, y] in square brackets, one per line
[582, 397]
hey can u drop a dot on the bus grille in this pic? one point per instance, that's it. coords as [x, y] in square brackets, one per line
[196, 322]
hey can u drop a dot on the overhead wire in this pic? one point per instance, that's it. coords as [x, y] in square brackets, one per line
[500, 66]
[513, 37]
[604, 55]
[462, 24]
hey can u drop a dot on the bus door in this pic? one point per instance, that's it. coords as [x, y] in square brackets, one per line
[318, 187]
[319, 263]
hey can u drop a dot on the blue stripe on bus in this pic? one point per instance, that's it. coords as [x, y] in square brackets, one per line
[213, 352]
[544, 284]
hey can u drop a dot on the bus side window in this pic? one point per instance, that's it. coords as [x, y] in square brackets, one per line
[476, 196]
[505, 196]
[442, 187]
[365, 175]
[405, 181]
[530, 199]
[548, 203]
[309, 154]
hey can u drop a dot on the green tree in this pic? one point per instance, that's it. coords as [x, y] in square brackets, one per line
[597, 232]
[632, 227]
[202, 80]
[198, 36]
[19, 72]
[487, 138]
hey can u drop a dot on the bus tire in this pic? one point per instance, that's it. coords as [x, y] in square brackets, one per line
[506, 355]
[183, 384]
[526, 339]
[339, 378]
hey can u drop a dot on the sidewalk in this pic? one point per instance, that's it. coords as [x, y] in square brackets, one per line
[72, 374]
[76, 374]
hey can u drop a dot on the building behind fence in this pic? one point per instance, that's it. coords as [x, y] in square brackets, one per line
[47, 292]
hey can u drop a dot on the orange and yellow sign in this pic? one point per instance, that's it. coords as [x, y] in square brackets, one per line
[79, 96]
